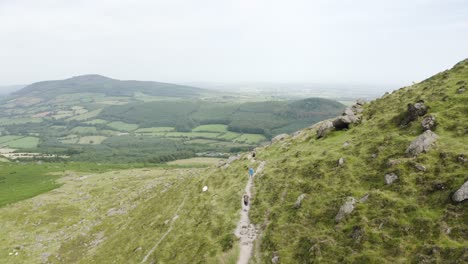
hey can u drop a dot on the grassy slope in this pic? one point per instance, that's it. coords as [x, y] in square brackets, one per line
[72, 224]
[412, 220]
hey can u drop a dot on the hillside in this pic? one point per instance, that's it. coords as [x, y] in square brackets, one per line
[110, 87]
[95, 118]
[367, 196]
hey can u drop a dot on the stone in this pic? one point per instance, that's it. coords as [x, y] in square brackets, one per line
[280, 137]
[298, 202]
[364, 198]
[420, 167]
[357, 234]
[360, 102]
[390, 178]
[341, 161]
[462, 158]
[275, 259]
[422, 143]
[346, 144]
[342, 122]
[324, 128]
[346, 209]
[461, 194]
[461, 90]
[429, 122]
[393, 162]
[414, 111]
[374, 155]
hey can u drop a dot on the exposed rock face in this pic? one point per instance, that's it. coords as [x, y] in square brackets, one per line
[414, 111]
[429, 122]
[461, 194]
[345, 209]
[341, 161]
[422, 143]
[420, 167]
[324, 128]
[298, 202]
[350, 115]
[390, 178]
[279, 138]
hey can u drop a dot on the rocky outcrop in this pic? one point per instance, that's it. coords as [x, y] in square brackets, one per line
[414, 111]
[298, 202]
[279, 138]
[390, 178]
[350, 115]
[420, 167]
[324, 128]
[429, 122]
[346, 209]
[461, 194]
[461, 90]
[422, 143]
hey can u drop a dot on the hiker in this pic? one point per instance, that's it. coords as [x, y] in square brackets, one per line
[246, 199]
[251, 172]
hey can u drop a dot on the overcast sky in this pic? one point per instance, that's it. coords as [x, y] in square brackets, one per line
[327, 41]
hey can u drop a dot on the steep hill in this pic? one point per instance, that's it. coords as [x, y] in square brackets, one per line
[110, 87]
[370, 192]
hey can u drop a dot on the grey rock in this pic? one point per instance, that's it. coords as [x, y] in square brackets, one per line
[324, 128]
[414, 111]
[275, 259]
[357, 234]
[461, 90]
[341, 161]
[390, 178]
[462, 158]
[428, 122]
[298, 202]
[461, 194]
[280, 137]
[342, 122]
[346, 144]
[422, 143]
[346, 209]
[374, 155]
[364, 198]
[393, 162]
[420, 167]
[360, 102]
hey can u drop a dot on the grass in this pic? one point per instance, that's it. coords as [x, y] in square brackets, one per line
[83, 130]
[121, 126]
[96, 140]
[196, 162]
[211, 128]
[85, 116]
[19, 120]
[24, 142]
[251, 138]
[192, 135]
[96, 122]
[155, 130]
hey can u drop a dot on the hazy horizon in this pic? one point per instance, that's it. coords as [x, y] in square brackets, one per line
[380, 43]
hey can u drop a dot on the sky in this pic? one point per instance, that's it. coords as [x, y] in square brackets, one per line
[321, 41]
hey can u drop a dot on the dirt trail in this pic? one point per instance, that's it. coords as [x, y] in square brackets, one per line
[175, 217]
[246, 231]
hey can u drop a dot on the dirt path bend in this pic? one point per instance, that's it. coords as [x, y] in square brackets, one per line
[174, 217]
[246, 231]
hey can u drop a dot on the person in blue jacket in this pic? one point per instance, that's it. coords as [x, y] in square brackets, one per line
[251, 172]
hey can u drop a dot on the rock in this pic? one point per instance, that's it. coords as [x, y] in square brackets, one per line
[364, 198]
[393, 162]
[298, 202]
[461, 194]
[461, 90]
[346, 144]
[280, 137]
[428, 122]
[324, 128]
[439, 186]
[275, 259]
[349, 116]
[414, 111]
[357, 234]
[420, 167]
[422, 143]
[360, 102]
[342, 122]
[390, 178]
[374, 155]
[341, 161]
[462, 158]
[346, 209]
[460, 82]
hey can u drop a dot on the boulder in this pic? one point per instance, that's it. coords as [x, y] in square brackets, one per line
[420, 167]
[422, 143]
[461, 194]
[414, 111]
[346, 209]
[428, 122]
[461, 90]
[324, 128]
[390, 178]
[342, 122]
[341, 161]
[346, 144]
[280, 138]
[462, 158]
[275, 259]
[298, 202]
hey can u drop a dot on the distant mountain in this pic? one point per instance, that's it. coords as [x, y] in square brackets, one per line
[7, 89]
[110, 87]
